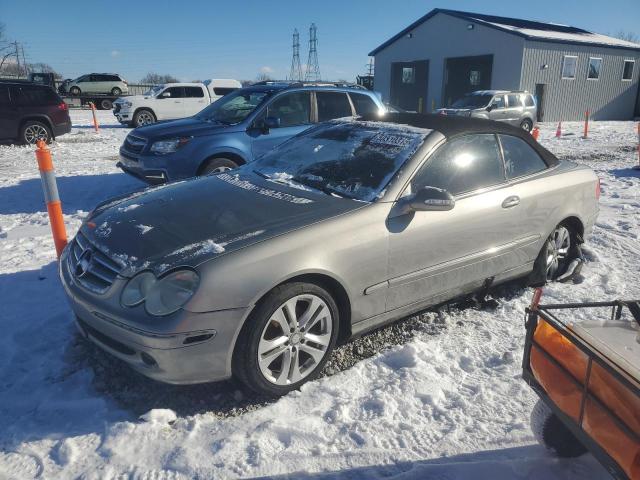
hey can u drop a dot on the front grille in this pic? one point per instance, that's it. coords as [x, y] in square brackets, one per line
[100, 271]
[116, 107]
[134, 144]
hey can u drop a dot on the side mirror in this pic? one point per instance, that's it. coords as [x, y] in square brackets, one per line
[491, 107]
[427, 199]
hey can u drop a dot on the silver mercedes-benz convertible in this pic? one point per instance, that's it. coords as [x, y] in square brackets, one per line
[258, 272]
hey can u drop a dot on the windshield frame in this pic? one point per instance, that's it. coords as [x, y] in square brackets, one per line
[267, 95]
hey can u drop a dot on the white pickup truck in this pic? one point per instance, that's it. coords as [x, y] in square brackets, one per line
[171, 101]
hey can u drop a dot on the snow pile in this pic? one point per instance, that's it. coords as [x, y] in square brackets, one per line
[448, 403]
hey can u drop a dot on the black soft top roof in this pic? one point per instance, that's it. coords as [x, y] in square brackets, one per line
[452, 125]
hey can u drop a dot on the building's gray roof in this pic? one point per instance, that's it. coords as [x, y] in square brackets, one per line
[529, 29]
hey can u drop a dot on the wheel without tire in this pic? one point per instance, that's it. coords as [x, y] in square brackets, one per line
[287, 339]
[526, 125]
[75, 91]
[556, 255]
[115, 91]
[32, 131]
[217, 165]
[553, 434]
[143, 117]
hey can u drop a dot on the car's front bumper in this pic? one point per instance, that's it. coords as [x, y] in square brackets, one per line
[197, 348]
[123, 115]
[152, 177]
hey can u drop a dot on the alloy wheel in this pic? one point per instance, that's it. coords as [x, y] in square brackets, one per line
[295, 339]
[36, 132]
[144, 118]
[558, 247]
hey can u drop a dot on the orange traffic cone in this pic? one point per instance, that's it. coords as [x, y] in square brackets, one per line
[535, 133]
[559, 130]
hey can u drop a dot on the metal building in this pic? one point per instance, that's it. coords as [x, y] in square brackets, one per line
[447, 53]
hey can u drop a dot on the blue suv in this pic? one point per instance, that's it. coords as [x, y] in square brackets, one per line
[238, 128]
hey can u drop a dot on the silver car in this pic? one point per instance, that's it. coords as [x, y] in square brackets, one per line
[514, 107]
[259, 272]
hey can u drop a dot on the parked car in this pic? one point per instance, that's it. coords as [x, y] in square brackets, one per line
[30, 112]
[259, 272]
[171, 101]
[514, 107]
[238, 128]
[105, 83]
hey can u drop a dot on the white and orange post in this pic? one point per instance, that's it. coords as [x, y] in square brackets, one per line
[51, 197]
[95, 119]
[586, 124]
[637, 167]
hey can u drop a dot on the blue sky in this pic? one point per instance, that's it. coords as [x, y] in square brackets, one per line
[205, 39]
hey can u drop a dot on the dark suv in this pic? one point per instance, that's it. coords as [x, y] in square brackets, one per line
[238, 128]
[30, 112]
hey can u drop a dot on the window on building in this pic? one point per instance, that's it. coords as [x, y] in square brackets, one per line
[408, 75]
[461, 165]
[519, 158]
[569, 64]
[627, 70]
[474, 77]
[595, 64]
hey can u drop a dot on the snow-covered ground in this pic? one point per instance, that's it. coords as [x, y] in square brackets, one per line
[448, 403]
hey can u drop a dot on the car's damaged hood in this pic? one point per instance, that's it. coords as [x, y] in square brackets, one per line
[187, 223]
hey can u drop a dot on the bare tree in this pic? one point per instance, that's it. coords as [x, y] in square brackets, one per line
[628, 36]
[156, 78]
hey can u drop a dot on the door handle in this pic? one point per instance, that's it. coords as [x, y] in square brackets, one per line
[511, 201]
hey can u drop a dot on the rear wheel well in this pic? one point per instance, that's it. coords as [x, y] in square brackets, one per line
[44, 120]
[576, 227]
[338, 293]
[231, 156]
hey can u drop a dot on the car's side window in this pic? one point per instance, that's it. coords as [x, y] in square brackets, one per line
[363, 103]
[519, 158]
[528, 101]
[176, 92]
[462, 164]
[193, 92]
[333, 105]
[514, 100]
[292, 109]
[498, 101]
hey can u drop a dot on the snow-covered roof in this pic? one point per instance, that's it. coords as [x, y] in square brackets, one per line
[529, 29]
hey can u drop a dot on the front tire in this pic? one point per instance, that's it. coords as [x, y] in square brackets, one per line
[217, 165]
[287, 339]
[526, 125]
[553, 434]
[106, 104]
[115, 91]
[32, 131]
[143, 117]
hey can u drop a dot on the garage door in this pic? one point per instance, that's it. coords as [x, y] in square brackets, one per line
[466, 74]
[409, 85]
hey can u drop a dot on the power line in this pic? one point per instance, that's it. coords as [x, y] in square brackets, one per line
[313, 68]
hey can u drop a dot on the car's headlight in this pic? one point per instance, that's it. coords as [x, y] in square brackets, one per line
[160, 296]
[169, 146]
[127, 104]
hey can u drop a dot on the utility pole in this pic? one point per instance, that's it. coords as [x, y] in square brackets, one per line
[24, 62]
[313, 68]
[296, 69]
[370, 67]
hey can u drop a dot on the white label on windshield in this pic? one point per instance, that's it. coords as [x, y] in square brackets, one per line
[246, 185]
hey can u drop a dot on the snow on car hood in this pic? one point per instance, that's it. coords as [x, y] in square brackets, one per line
[190, 126]
[193, 221]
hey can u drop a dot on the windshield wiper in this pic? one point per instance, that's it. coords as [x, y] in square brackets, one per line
[322, 187]
[263, 175]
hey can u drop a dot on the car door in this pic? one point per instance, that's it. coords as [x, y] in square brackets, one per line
[513, 110]
[171, 105]
[498, 108]
[194, 100]
[441, 254]
[293, 110]
[9, 115]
